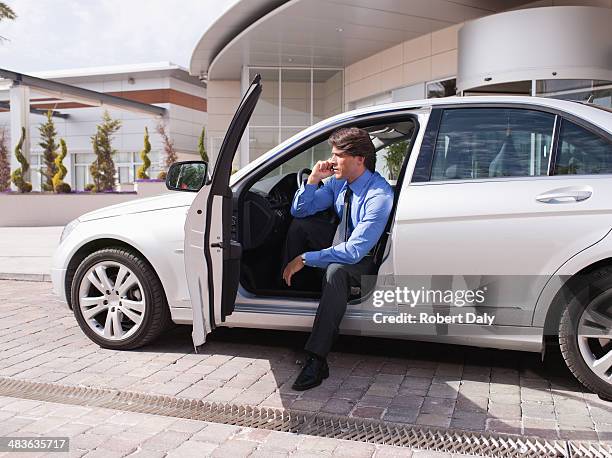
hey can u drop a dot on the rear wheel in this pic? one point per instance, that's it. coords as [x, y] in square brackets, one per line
[585, 332]
[118, 300]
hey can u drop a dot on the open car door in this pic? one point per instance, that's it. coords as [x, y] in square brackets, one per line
[212, 258]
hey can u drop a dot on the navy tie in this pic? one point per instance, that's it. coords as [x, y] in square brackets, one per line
[342, 231]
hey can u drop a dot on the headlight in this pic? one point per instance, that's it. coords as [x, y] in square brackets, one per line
[69, 228]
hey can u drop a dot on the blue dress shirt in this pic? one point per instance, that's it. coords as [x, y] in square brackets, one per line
[370, 208]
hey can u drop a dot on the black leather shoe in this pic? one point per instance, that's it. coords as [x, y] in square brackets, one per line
[315, 370]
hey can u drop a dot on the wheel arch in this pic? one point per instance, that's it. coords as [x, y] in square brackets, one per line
[559, 302]
[91, 247]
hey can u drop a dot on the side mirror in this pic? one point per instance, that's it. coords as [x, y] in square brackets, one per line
[187, 176]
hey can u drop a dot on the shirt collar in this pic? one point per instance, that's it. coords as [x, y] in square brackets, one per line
[360, 183]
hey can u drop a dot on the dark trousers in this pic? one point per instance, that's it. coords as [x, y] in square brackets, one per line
[311, 234]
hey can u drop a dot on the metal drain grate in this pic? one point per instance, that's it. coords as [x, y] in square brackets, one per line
[323, 425]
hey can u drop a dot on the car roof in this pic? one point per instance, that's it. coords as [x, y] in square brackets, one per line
[595, 115]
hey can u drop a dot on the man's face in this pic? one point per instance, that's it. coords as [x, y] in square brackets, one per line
[346, 166]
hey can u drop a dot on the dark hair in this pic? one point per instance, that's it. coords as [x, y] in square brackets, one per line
[356, 142]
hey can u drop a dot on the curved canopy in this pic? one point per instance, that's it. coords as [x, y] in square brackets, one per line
[322, 33]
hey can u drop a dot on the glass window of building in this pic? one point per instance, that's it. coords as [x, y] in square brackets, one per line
[126, 165]
[492, 142]
[292, 100]
[36, 166]
[441, 88]
[596, 91]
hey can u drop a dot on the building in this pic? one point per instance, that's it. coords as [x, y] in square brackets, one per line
[126, 92]
[320, 57]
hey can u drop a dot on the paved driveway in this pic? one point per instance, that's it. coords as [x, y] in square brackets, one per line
[409, 382]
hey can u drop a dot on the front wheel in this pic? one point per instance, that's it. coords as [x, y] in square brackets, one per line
[585, 332]
[118, 299]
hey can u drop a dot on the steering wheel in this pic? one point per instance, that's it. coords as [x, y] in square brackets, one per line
[300, 175]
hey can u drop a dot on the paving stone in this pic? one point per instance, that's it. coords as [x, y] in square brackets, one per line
[282, 441]
[441, 406]
[400, 414]
[165, 441]
[338, 406]
[316, 444]
[234, 447]
[223, 394]
[538, 410]
[442, 391]
[354, 449]
[540, 428]
[104, 453]
[468, 421]
[505, 411]
[192, 449]
[389, 451]
[215, 433]
[375, 401]
[184, 425]
[407, 401]
[264, 452]
[495, 425]
[367, 412]
[432, 419]
[310, 405]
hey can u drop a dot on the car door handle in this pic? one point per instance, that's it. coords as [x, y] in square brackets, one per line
[566, 195]
[217, 245]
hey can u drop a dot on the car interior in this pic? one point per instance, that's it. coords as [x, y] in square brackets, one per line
[262, 213]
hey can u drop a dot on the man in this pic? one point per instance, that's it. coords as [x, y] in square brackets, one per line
[362, 198]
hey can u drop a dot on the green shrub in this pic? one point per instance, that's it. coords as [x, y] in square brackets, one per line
[49, 147]
[141, 173]
[103, 167]
[58, 179]
[5, 162]
[202, 145]
[90, 187]
[18, 174]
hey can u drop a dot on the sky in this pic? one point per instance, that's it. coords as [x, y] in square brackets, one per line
[63, 34]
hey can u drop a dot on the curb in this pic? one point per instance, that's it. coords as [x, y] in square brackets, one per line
[25, 277]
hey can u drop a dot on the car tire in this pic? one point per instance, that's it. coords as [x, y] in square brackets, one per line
[118, 300]
[585, 331]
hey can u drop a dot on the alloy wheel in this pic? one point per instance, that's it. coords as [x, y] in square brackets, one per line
[595, 336]
[112, 300]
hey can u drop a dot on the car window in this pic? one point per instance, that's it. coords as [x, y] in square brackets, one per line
[476, 143]
[582, 152]
[391, 140]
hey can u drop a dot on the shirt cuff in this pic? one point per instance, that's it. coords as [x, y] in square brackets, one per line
[311, 258]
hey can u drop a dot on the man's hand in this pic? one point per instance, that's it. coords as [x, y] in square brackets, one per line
[321, 170]
[293, 267]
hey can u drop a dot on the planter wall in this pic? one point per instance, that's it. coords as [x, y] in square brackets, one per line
[148, 188]
[34, 209]
[47, 209]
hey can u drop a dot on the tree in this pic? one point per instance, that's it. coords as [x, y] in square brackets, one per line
[49, 147]
[18, 174]
[6, 13]
[141, 173]
[202, 145]
[58, 179]
[170, 156]
[5, 162]
[103, 167]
